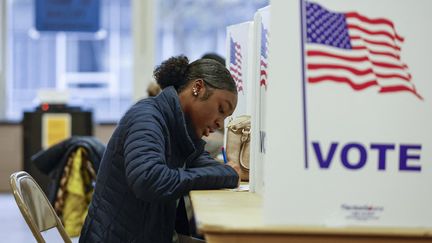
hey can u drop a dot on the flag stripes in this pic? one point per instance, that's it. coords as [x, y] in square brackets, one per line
[352, 49]
[264, 57]
[235, 66]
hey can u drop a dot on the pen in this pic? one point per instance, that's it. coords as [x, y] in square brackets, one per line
[224, 155]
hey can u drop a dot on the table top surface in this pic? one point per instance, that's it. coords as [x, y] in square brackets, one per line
[227, 211]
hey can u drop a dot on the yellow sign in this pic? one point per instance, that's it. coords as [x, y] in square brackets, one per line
[56, 127]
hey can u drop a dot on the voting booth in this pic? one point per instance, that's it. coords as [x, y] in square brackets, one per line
[260, 92]
[240, 56]
[341, 105]
[348, 115]
[247, 50]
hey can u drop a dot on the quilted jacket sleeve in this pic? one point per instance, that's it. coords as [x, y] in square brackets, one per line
[207, 165]
[147, 173]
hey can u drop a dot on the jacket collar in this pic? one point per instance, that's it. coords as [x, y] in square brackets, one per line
[179, 125]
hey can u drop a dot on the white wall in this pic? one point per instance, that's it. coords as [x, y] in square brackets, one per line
[2, 59]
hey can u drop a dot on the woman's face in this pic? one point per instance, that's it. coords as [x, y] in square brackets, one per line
[209, 114]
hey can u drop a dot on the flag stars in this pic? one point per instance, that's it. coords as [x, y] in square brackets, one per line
[324, 27]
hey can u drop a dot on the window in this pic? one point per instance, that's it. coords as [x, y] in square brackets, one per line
[96, 68]
[193, 27]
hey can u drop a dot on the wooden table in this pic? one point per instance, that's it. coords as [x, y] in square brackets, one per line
[233, 217]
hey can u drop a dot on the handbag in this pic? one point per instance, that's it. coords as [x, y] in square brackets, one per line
[238, 143]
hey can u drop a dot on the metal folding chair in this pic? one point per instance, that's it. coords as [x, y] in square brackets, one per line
[35, 207]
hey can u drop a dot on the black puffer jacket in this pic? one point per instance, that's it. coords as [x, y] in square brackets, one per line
[150, 162]
[53, 160]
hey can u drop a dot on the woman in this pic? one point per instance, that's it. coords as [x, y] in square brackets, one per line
[156, 154]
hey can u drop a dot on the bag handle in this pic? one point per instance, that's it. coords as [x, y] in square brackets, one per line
[244, 138]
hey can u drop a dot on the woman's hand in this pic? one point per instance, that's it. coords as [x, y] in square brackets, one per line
[236, 167]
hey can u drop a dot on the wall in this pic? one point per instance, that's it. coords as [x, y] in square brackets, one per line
[11, 149]
[2, 57]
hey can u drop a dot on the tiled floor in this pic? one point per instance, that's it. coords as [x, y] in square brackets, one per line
[14, 229]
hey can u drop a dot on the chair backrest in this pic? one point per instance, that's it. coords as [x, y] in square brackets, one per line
[34, 206]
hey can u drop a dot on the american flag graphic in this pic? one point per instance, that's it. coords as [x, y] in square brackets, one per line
[236, 64]
[353, 49]
[264, 57]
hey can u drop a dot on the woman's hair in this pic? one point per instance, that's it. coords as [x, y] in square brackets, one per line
[177, 72]
[153, 89]
[215, 57]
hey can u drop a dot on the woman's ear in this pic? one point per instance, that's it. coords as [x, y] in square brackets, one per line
[198, 87]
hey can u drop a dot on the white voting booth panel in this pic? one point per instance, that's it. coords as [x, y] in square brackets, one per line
[259, 90]
[349, 114]
[247, 52]
[239, 56]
